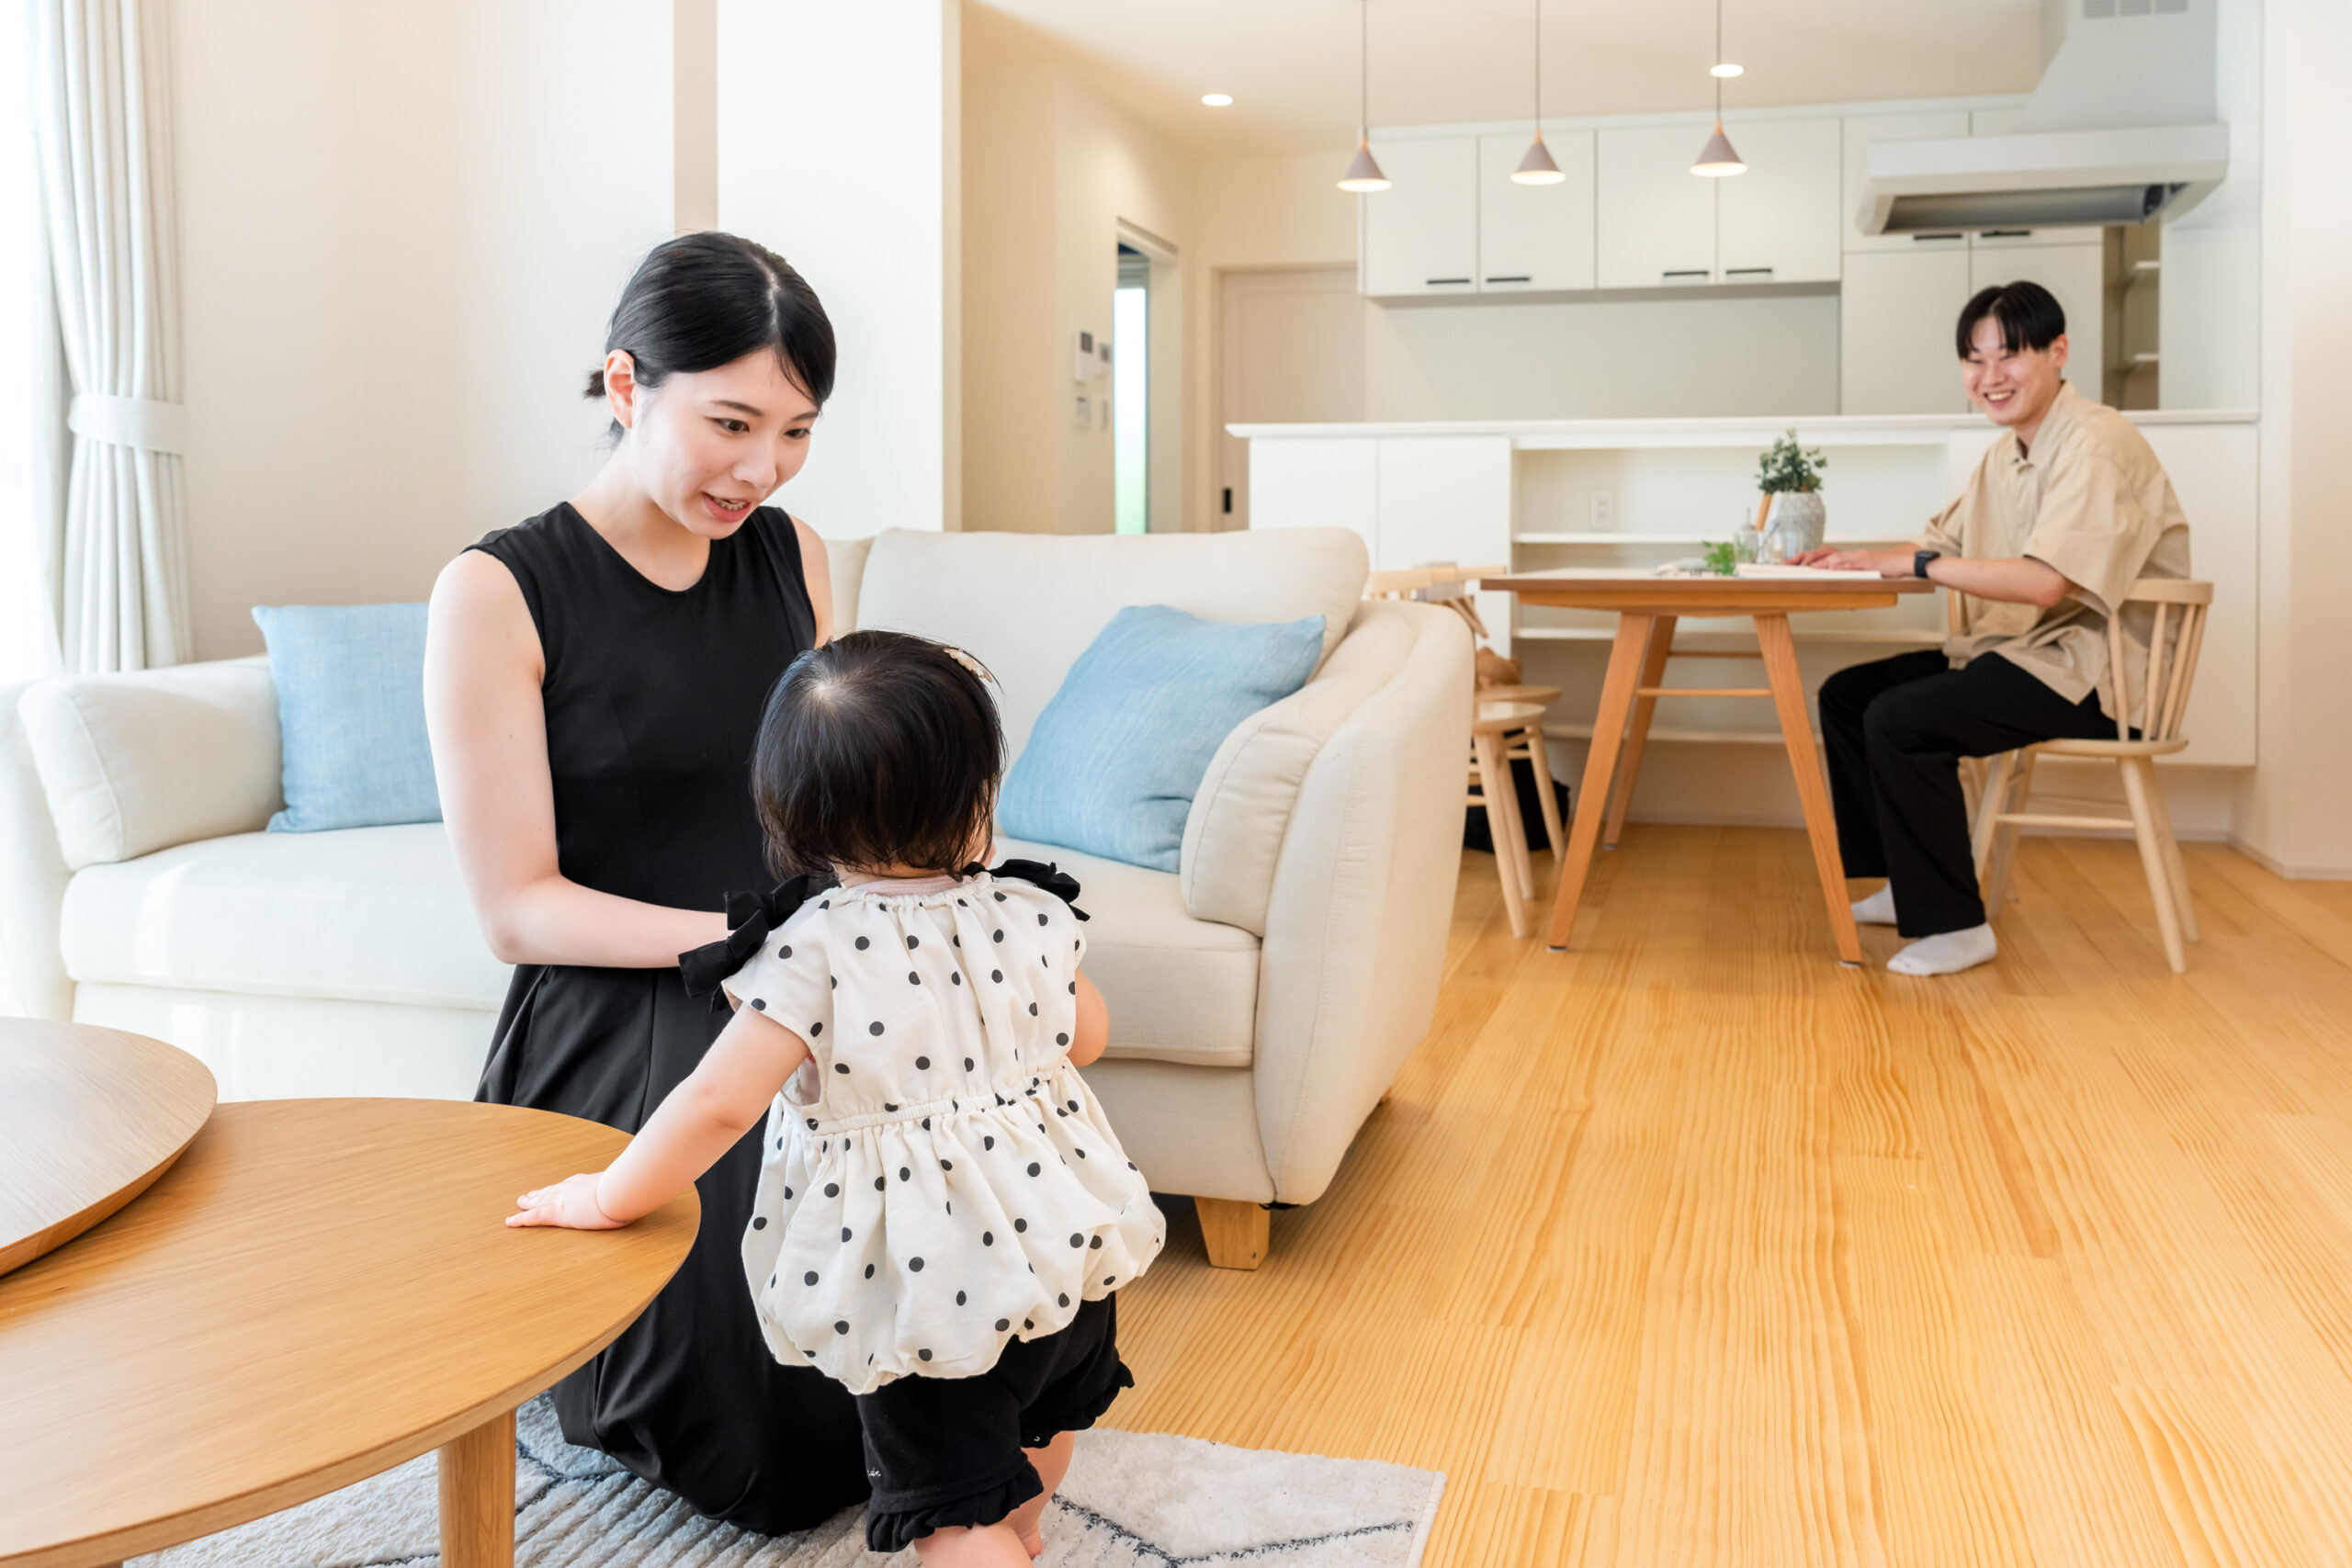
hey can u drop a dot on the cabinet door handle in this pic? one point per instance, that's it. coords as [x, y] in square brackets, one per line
[1924, 239]
[1700, 273]
[1515, 278]
[1764, 273]
[2003, 234]
[1434, 282]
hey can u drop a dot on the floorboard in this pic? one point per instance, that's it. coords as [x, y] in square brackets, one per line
[1690, 1247]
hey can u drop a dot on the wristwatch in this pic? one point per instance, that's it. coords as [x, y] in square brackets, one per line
[1919, 560]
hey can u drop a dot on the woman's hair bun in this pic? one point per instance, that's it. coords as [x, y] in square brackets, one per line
[596, 384]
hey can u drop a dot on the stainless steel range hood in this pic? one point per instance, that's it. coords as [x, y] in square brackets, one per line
[2121, 129]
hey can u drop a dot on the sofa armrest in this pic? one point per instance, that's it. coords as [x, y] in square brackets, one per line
[1242, 813]
[32, 880]
[1363, 899]
[138, 762]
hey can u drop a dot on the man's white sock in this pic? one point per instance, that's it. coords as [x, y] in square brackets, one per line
[1947, 953]
[1878, 909]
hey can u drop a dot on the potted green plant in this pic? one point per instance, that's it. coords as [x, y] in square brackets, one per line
[1792, 513]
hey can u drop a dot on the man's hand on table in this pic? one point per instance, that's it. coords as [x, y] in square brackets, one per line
[1886, 563]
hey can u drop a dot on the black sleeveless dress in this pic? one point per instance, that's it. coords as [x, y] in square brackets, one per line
[652, 699]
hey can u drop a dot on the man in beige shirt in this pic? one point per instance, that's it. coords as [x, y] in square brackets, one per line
[2068, 509]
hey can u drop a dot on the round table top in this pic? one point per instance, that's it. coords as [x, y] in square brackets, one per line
[88, 1117]
[1506, 715]
[317, 1290]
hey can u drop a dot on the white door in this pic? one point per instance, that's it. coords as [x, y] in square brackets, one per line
[1421, 235]
[1778, 222]
[1654, 220]
[1861, 131]
[2078, 275]
[2003, 122]
[1896, 313]
[1290, 351]
[1534, 237]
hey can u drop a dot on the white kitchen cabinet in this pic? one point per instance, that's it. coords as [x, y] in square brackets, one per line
[1897, 311]
[1534, 237]
[2004, 123]
[1778, 222]
[2076, 275]
[1864, 129]
[1420, 236]
[1330, 484]
[1656, 219]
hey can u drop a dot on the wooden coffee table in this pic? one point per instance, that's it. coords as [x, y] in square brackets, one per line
[317, 1290]
[88, 1118]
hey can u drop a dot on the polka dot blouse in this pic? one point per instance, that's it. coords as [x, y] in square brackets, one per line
[937, 1179]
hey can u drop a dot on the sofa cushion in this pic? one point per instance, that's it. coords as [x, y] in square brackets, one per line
[1240, 815]
[365, 914]
[845, 565]
[350, 681]
[1027, 605]
[132, 764]
[1117, 757]
[1179, 989]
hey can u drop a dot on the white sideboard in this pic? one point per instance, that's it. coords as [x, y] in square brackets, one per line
[1551, 493]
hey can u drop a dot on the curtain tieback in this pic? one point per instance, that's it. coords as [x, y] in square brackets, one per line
[142, 422]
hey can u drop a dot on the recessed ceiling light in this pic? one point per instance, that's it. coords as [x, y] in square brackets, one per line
[1725, 69]
[1217, 100]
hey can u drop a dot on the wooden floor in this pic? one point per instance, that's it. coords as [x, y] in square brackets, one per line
[1692, 1247]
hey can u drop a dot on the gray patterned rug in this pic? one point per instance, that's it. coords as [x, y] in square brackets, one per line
[1132, 1500]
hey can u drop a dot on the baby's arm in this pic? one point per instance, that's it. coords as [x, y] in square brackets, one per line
[698, 1122]
[1093, 1024]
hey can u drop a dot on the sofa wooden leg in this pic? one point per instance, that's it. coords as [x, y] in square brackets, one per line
[1235, 1233]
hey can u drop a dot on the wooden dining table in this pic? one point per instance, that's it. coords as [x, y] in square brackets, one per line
[1648, 608]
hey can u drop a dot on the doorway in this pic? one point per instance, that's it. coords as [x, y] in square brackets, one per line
[1131, 393]
[1290, 351]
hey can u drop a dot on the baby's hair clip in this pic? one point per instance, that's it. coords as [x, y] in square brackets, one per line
[974, 665]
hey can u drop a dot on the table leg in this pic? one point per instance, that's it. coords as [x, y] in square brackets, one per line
[478, 1496]
[1625, 655]
[1796, 732]
[1661, 647]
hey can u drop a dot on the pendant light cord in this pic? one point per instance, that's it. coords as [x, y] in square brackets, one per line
[1718, 61]
[1363, 69]
[1538, 70]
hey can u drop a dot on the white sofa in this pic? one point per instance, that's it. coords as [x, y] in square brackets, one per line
[1261, 997]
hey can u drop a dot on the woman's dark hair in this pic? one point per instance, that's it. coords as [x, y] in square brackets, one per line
[877, 748]
[706, 300]
[2029, 314]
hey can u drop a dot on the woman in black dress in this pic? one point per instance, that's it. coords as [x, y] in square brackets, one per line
[593, 679]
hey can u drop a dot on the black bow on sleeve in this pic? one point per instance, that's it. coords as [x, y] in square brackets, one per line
[1052, 879]
[751, 916]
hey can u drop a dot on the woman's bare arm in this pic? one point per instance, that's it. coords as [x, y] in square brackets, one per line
[1093, 1030]
[483, 669]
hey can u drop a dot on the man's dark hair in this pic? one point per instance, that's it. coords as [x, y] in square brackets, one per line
[877, 748]
[2029, 315]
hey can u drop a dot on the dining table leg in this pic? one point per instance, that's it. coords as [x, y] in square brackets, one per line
[478, 1496]
[1779, 651]
[1591, 805]
[1637, 735]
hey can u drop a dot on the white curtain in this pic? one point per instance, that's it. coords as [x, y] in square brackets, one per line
[102, 128]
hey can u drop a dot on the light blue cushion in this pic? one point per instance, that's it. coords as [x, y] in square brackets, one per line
[350, 714]
[1117, 757]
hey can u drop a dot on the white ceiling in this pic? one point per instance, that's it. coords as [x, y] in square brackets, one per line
[1291, 64]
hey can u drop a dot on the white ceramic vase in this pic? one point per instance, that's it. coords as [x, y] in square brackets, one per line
[1799, 519]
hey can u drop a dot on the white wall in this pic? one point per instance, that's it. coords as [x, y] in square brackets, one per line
[1602, 359]
[403, 226]
[838, 148]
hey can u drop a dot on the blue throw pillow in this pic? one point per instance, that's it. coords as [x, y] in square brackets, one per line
[350, 714]
[1117, 757]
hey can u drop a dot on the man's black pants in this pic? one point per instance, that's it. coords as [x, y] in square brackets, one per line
[1895, 730]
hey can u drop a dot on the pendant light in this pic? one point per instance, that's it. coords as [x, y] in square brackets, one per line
[1364, 171]
[1537, 168]
[1716, 159]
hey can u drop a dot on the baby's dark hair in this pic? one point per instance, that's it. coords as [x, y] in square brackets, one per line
[877, 748]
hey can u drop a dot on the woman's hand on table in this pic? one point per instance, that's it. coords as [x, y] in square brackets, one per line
[1886, 563]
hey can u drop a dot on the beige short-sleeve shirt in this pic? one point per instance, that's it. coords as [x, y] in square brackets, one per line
[2090, 500]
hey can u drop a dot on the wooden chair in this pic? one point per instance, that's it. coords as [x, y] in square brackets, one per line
[1527, 746]
[1493, 729]
[2173, 645]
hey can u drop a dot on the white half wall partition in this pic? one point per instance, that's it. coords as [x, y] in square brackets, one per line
[837, 133]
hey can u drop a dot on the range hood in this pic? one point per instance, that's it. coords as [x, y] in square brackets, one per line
[2120, 129]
